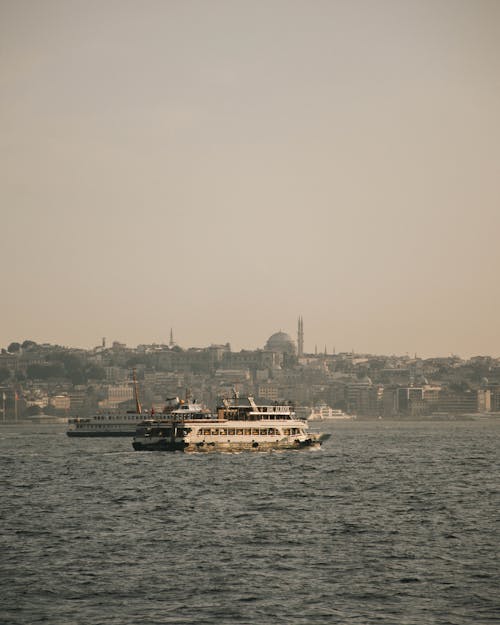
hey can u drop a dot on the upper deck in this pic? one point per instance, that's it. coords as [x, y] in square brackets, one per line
[247, 410]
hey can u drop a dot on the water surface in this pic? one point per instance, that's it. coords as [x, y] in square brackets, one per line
[388, 523]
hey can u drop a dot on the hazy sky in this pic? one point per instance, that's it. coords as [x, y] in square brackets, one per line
[221, 167]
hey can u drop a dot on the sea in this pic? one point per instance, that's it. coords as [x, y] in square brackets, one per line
[389, 522]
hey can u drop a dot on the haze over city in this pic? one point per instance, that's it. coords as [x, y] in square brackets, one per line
[224, 167]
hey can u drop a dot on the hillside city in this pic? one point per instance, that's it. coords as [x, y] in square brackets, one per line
[47, 379]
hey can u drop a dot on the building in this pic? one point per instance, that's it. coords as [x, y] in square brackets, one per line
[61, 402]
[117, 394]
[410, 401]
[484, 400]
[280, 342]
[271, 392]
[232, 376]
[454, 403]
[364, 398]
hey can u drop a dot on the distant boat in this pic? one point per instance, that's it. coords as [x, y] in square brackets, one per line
[122, 423]
[325, 413]
[125, 423]
[46, 419]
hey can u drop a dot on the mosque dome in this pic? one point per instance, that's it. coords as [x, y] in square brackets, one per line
[280, 342]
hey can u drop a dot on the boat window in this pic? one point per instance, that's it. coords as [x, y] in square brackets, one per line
[230, 432]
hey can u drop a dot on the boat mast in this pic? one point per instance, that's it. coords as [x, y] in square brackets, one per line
[138, 407]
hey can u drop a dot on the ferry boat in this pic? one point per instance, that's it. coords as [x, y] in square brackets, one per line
[238, 425]
[125, 423]
[120, 424]
[325, 413]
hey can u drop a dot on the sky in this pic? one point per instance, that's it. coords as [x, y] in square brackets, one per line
[221, 167]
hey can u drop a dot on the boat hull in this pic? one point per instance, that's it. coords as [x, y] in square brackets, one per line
[99, 434]
[212, 446]
[159, 445]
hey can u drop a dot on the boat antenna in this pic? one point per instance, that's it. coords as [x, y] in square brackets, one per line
[138, 407]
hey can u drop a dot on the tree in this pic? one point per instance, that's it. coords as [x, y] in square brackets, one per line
[28, 344]
[138, 359]
[94, 372]
[44, 372]
[74, 368]
[14, 348]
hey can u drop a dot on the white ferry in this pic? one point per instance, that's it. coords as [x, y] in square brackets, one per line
[238, 425]
[325, 413]
[125, 424]
[120, 424]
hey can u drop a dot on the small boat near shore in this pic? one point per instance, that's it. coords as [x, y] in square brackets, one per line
[239, 425]
[45, 419]
[325, 413]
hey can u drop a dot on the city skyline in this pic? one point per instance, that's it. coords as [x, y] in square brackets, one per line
[221, 168]
[297, 338]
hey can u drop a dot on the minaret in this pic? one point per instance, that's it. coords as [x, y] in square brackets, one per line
[300, 338]
[171, 342]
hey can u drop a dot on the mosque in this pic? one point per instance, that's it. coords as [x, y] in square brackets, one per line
[283, 342]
